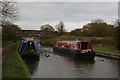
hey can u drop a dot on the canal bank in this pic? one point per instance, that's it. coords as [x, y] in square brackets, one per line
[13, 67]
[108, 55]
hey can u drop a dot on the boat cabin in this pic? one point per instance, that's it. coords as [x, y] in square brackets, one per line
[77, 45]
[29, 47]
[81, 49]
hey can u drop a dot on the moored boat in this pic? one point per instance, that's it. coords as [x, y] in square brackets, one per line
[80, 49]
[29, 48]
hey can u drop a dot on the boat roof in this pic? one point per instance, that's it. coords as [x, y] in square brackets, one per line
[71, 41]
[28, 41]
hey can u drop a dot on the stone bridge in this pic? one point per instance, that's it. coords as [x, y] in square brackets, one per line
[33, 33]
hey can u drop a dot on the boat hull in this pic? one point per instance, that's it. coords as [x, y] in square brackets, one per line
[75, 54]
[29, 54]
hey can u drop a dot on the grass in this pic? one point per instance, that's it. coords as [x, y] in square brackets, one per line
[7, 42]
[106, 49]
[13, 66]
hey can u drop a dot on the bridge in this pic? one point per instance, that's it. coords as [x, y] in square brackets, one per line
[33, 33]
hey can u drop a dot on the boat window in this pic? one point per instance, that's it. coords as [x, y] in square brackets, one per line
[23, 46]
[84, 45]
[62, 45]
[30, 47]
[67, 45]
[78, 46]
[58, 44]
[73, 46]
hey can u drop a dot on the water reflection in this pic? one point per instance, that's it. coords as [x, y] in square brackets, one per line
[82, 64]
[32, 64]
[82, 69]
[62, 54]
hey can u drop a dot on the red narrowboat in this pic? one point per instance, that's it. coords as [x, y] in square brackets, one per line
[81, 49]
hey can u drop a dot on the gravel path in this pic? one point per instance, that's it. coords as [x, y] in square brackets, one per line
[5, 48]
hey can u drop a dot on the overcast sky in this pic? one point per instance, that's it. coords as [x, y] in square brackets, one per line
[74, 14]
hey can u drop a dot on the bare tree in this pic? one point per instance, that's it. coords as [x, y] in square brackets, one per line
[60, 28]
[8, 12]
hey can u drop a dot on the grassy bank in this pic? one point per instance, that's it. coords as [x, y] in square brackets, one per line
[7, 42]
[13, 66]
[106, 49]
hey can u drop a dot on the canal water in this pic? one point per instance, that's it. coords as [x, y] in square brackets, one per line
[54, 65]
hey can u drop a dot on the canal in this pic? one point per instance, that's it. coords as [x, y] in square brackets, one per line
[54, 65]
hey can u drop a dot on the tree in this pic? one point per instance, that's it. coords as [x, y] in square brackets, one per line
[9, 31]
[60, 28]
[118, 36]
[77, 32]
[47, 31]
[100, 29]
[8, 12]
[47, 27]
[116, 24]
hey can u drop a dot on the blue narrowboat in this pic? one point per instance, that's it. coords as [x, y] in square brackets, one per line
[80, 49]
[29, 48]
